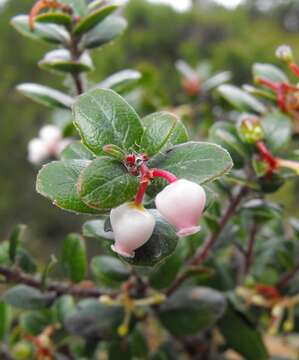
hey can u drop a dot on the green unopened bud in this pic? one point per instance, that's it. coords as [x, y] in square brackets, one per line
[285, 53]
[114, 151]
[251, 129]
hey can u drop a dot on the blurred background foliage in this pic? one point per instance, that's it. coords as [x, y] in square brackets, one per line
[156, 37]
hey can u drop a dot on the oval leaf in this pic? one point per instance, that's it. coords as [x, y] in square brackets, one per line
[57, 181]
[240, 99]
[74, 259]
[121, 81]
[162, 131]
[103, 117]
[91, 20]
[76, 150]
[106, 183]
[104, 32]
[196, 161]
[61, 61]
[269, 72]
[191, 310]
[46, 96]
[96, 229]
[54, 18]
[50, 33]
[27, 298]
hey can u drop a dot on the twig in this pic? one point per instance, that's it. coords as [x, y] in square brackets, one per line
[203, 252]
[249, 252]
[287, 277]
[16, 276]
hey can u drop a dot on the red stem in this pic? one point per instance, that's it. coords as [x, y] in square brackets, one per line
[295, 69]
[268, 84]
[164, 174]
[141, 191]
[267, 156]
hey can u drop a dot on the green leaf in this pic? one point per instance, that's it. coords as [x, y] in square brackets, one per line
[50, 33]
[269, 72]
[4, 253]
[94, 18]
[225, 135]
[139, 345]
[5, 319]
[164, 274]
[74, 260]
[14, 241]
[200, 162]
[96, 229]
[63, 307]
[278, 130]
[104, 32]
[25, 261]
[262, 210]
[79, 6]
[191, 310]
[35, 322]
[61, 61]
[76, 151]
[57, 18]
[162, 131]
[216, 80]
[27, 298]
[103, 117]
[119, 349]
[46, 96]
[106, 183]
[58, 180]
[92, 319]
[162, 244]
[109, 271]
[241, 336]
[122, 81]
[240, 99]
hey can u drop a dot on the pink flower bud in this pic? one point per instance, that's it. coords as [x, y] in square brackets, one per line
[37, 151]
[132, 227]
[182, 203]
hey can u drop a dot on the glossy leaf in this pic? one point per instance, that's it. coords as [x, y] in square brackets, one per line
[240, 99]
[164, 274]
[63, 307]
[46, 96]
[200, 162]
[109, 271]
[216, 80]
[94, 18]
[278, 130]
[121, 81]
[57, 181]
[106, 183]
[27, 298]
[162, 131]
[190, 310]
[241, 336]
[104, 32]
[162, 244]
[50, 33]
[76, 151]
[57, 18]
[62, 61]
[74, 260]
[103, 117]
[92, 319]
[269, 72]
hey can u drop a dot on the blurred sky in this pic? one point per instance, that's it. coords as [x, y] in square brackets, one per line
[182, 5]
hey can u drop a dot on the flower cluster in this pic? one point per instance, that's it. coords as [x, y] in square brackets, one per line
[49, 143]
[181, 203]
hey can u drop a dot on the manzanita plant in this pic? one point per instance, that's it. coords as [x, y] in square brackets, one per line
[196, 259]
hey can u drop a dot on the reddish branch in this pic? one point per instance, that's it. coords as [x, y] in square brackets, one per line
[204, 251]
[16, 276]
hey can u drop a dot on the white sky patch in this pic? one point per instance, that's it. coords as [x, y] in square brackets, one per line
[229, 3]
[179, 5]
